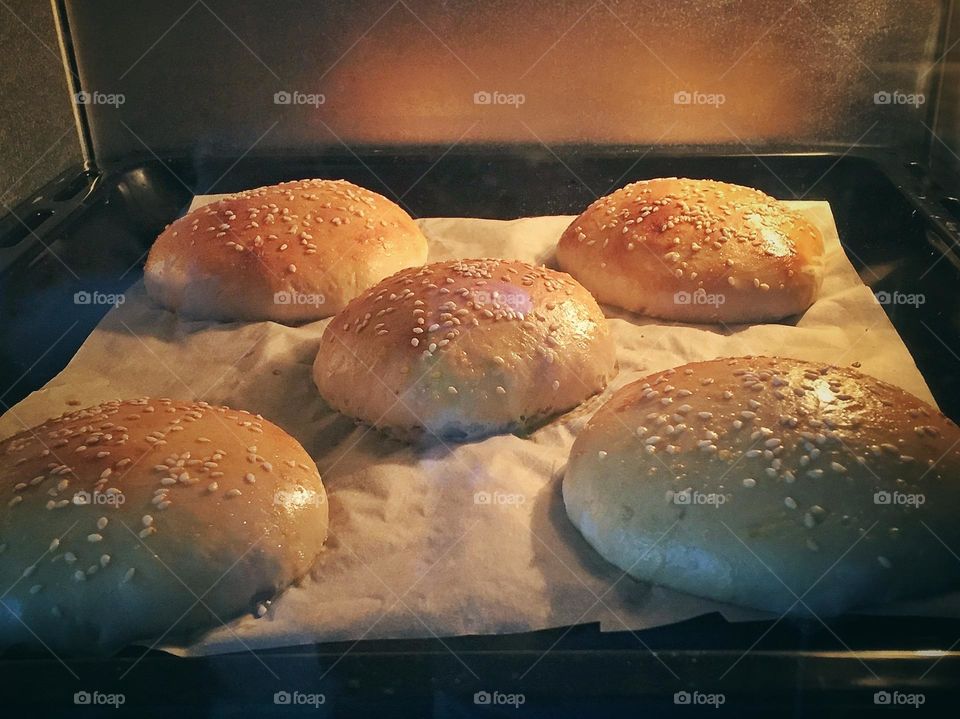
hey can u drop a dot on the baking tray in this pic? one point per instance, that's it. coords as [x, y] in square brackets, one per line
[90, 230]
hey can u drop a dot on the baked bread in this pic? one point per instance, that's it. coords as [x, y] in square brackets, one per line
[142, 519]
[758, 481]
[292, 252]
[695, 251]
[464, 348]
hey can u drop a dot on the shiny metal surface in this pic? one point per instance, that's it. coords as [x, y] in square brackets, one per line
[210, 77]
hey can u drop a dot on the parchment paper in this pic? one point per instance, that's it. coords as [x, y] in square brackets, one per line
[411, 553]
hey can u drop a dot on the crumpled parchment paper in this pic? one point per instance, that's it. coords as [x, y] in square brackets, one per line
[415, 549]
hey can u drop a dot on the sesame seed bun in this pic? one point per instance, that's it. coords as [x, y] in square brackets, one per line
[115, 519]
[464, 348]
[756, 481]
[292, 252]
[695, 251]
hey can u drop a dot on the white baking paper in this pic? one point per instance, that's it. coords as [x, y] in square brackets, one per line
[415, 548]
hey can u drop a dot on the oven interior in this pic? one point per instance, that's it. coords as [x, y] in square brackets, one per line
[801, 118]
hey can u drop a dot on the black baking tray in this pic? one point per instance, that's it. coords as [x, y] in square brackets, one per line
[89, 231]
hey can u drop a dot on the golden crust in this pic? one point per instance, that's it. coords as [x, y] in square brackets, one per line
[760, 472]
[111, 518]
[464, 348]
[291, 252]
[695, 251]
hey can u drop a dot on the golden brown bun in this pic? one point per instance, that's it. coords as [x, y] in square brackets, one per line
[759, 480]
[292, 252]
[695, 251]
[116, 518]
[464, 348]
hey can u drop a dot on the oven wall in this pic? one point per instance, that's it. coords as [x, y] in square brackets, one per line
[38, 134]
[219, 77]
[945, 144]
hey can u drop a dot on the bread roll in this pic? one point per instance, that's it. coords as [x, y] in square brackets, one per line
[115, 519]
[292, 252]
[695, 251]
[759, 480]
[464, 348]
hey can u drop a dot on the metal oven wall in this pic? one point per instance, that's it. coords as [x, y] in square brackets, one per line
[945, 140]
[38, 136]
[226, 77]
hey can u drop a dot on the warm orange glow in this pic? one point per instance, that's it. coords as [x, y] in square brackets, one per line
[722, 77]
